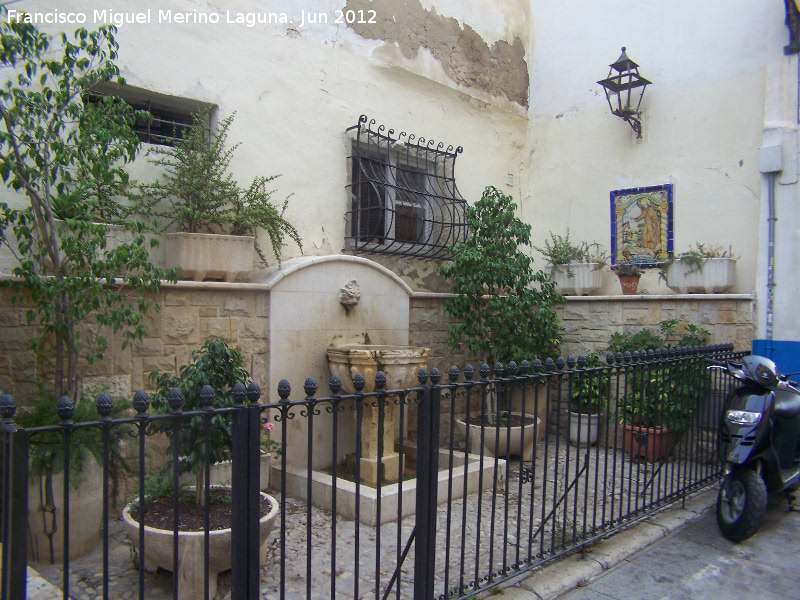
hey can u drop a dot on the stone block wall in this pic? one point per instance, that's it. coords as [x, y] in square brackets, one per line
[192, 313]
[588, 322]
[189, 315]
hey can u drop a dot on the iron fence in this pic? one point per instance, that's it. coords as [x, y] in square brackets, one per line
[454, 509]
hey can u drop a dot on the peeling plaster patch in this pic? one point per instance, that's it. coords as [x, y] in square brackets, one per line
[500, 70]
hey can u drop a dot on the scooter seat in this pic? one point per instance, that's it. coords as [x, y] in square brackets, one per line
[787, 405]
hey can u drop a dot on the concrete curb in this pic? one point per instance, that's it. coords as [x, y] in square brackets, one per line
[551, 581]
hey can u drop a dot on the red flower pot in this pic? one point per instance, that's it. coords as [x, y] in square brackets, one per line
[629, 285]
[652, 443]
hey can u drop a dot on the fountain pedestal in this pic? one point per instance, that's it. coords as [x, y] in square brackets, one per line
[400, 364]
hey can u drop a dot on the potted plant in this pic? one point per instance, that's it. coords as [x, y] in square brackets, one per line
[217, 221]
[588, 397]
[659, 403]
[503, 312]
[220, 367]
[703, 269]
[629, 275]
[576, 269]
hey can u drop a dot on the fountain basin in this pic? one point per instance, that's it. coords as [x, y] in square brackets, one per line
[400, 364]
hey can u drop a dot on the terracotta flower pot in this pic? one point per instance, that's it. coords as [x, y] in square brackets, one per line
[651, 443]
[629, 285]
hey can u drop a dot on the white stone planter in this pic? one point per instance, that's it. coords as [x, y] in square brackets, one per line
[191, 544]
[222, 473]
[85, 514]
[583, 428]
[520, 442]
[585, 279]
[715, 275]
[203, 256]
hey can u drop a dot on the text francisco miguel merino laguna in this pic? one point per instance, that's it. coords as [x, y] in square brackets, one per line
[192, 17]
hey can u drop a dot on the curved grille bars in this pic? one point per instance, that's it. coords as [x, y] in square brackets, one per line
[403, 195]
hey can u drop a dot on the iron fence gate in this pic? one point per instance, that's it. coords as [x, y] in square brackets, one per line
[467, 511]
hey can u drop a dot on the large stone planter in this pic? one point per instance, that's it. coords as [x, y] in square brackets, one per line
[578, 279]
[222, 473]
[204, 256]
[191, 544]
[714, 275]
[85, 514]
[500, 441]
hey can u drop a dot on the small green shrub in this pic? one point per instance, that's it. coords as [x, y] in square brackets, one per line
[590, 390]
[559, 251]
[214, 364]
[666, 394]
[503, 309]
[202, 196]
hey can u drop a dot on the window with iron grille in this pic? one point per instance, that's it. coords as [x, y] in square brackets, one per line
[171, 115]
[403, 194]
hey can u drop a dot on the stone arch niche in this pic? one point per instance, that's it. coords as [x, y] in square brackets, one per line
[316, 302]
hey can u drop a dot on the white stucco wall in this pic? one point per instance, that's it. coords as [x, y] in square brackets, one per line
[703, 119]
[781, 342]
[295, 91]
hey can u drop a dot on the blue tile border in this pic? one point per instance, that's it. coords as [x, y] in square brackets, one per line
[617, 247]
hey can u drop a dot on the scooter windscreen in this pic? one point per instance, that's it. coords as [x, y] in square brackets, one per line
[761, 370]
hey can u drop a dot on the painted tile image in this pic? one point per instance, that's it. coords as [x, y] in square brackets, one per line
[641, 225]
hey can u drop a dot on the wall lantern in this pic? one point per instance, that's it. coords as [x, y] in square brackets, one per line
[620, 87]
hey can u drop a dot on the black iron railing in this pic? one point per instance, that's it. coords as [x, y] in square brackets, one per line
[472, 510]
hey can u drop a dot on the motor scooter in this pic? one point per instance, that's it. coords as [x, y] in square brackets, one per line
[759, 441]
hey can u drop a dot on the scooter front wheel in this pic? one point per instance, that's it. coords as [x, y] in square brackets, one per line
[741, 504]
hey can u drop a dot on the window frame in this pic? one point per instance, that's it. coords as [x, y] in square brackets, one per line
[168, 110]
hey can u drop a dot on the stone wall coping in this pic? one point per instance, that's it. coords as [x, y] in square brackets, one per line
[661, 297]
[618, 297]
[300, 263]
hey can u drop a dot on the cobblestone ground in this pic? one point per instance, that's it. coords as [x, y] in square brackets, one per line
[530, 512]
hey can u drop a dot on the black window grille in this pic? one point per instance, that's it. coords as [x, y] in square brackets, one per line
[167, 125]
[403, 195]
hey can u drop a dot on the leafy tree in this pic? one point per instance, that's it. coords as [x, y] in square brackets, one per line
[66, 157]
[504, 310]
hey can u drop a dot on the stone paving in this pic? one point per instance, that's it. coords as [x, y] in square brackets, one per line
[488, 533]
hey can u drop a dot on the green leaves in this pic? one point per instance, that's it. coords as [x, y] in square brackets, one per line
[68, 159]
[202, 195]
[219, 366]
[504, 310]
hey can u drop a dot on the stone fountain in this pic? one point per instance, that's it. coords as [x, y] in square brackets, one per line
[400, 364]
[363, 309]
